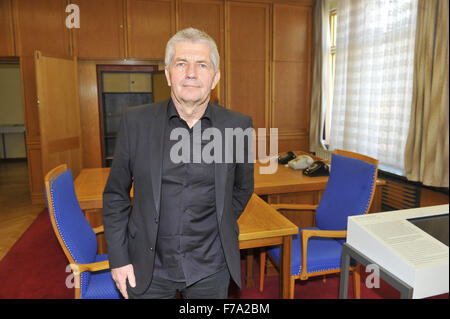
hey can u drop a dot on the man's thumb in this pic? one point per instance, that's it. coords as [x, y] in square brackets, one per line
[132, 280]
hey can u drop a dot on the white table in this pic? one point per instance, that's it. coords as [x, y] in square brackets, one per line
[410, 259]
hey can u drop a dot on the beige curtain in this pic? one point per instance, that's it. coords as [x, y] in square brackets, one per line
[426, 152]
[319, 77]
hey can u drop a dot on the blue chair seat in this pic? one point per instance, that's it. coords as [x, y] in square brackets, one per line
[101, 285]
[323, 253]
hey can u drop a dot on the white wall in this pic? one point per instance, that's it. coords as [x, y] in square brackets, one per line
[11, 109]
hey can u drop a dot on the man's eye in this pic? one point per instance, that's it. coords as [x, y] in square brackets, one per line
[181, 64]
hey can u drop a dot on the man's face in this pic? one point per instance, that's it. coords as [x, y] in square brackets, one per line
[191, 73]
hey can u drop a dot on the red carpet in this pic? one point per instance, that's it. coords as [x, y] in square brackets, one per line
[35, 268]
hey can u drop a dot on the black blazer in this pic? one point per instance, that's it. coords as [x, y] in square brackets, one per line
[131, 228]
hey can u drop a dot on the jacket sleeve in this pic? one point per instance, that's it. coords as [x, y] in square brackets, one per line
[117, 200]
[244, 178]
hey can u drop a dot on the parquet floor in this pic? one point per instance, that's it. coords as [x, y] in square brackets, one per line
[16, 211]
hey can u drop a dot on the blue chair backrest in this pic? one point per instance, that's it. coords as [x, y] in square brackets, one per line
[74, 229]
[348, 192]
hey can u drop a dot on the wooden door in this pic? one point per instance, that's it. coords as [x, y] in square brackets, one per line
[59, 113]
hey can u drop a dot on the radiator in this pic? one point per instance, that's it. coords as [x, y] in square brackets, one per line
[399, 195]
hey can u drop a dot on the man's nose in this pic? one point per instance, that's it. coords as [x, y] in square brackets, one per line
[191, 71]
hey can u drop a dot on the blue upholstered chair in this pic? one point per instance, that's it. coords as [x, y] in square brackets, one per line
[317, 250]
[78, 240]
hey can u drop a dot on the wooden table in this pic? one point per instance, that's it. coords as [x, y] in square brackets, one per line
[260, 225]
[284, 184]
[289, 186]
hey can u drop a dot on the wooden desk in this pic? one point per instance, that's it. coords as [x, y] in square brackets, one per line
[289, 186]
[261, 226]
[286, 186]
[89, 186]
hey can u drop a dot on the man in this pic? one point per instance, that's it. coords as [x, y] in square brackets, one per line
[181, 232]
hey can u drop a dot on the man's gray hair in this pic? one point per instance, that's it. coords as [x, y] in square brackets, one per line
[192, 35]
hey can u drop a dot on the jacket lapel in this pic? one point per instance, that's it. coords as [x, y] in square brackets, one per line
[157, 128]
[220, 168]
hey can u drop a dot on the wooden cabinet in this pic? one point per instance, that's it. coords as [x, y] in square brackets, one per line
[265, 48]
[150, 24]
[211, 20]
[40, 25]
[248, 49]
[102, 29]
[6, 29]
[291, 75]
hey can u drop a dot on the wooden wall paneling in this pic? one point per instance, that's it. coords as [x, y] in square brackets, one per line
[102, 29]
[40, 25]
[7, 45]
[292, 71]
[89, 114]
[248, 58]
[150, 24]
[212, 21]
[35, 175]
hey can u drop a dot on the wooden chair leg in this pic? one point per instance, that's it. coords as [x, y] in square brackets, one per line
[291, 287]
[262, 268]
[357, 281]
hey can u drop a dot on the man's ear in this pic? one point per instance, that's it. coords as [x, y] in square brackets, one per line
[166, 71]
[215, 80]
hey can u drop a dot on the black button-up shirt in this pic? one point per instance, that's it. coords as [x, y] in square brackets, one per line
[188, 246]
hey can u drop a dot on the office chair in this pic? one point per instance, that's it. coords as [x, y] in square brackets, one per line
[78, 240]
[317, 250]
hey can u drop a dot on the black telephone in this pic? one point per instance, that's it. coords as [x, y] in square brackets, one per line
[318, 168]
[285, 158]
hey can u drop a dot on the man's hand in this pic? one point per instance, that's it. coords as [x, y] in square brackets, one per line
[120, 276]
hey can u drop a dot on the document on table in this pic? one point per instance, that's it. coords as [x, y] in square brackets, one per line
[412, 254]
[413, 245]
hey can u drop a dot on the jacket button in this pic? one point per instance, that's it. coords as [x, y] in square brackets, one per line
[151, 248]
[156, 220]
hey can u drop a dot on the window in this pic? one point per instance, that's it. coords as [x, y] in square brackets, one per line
[371, 56]
[330, 74]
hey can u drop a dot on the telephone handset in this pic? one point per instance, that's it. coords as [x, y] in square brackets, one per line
[301, 162]
[285, 158]
[318, 168]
